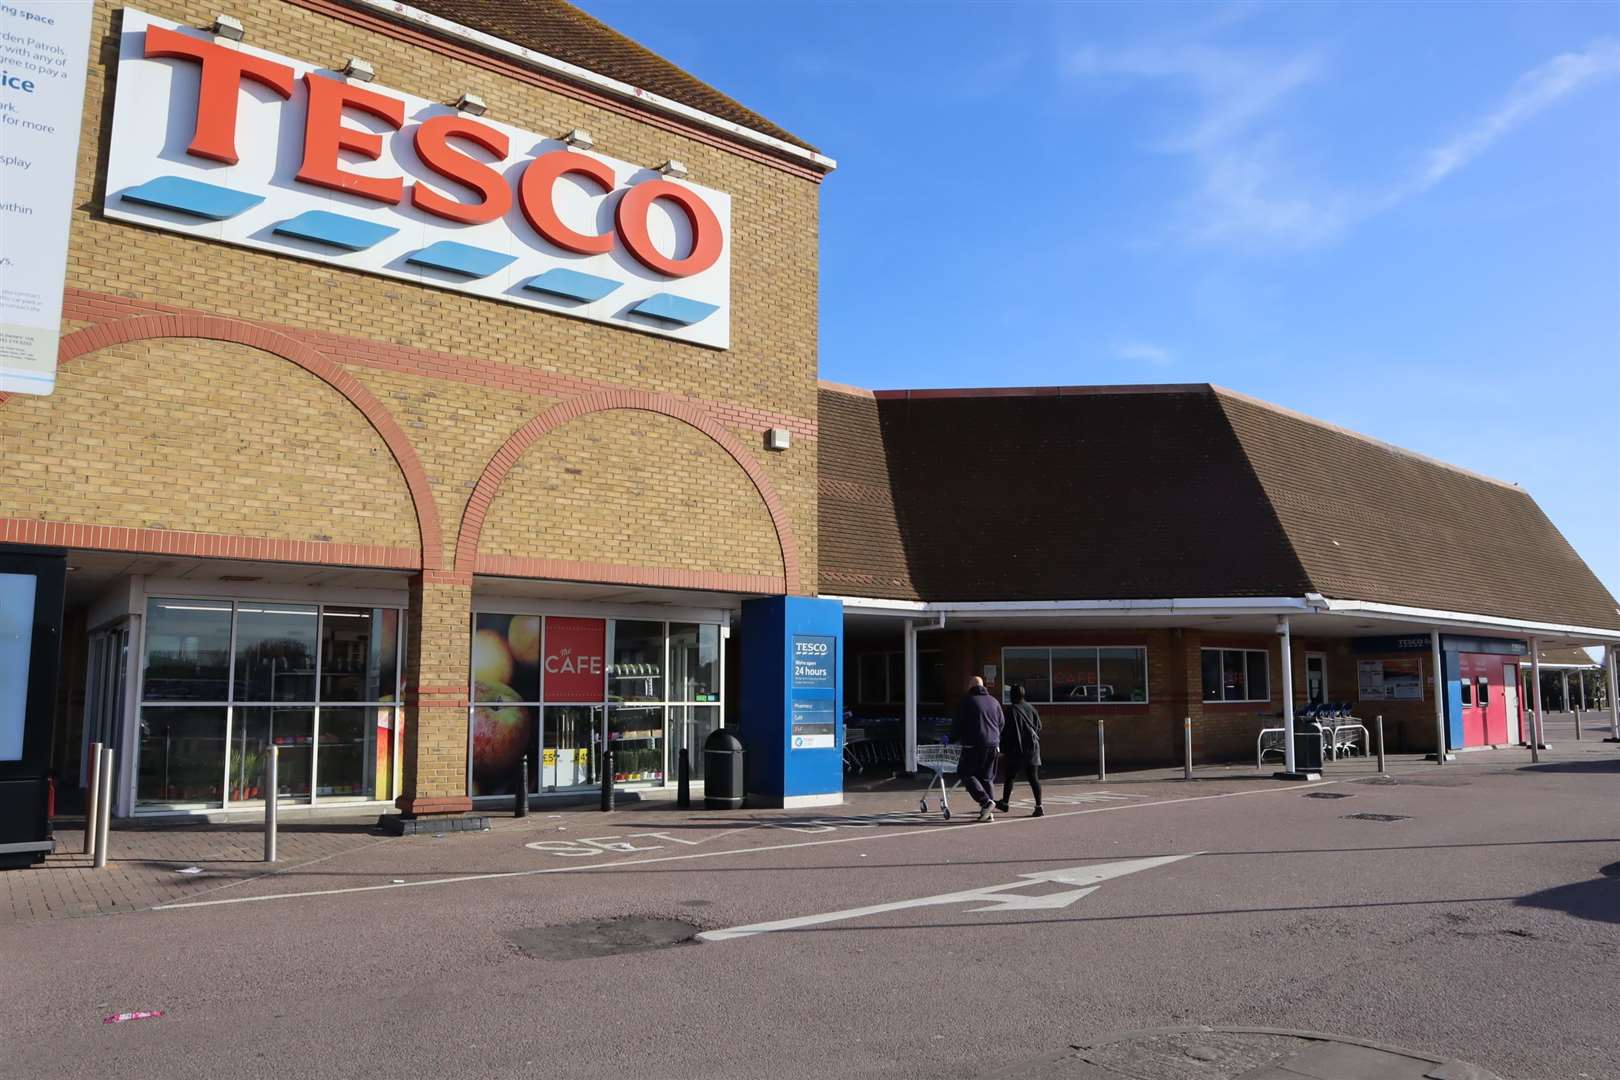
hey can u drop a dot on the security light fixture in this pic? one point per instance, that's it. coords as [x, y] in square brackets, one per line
[358, 70]
[673, 168]
[777, 438]
[471, 103]
[227, 27]
[579, 139]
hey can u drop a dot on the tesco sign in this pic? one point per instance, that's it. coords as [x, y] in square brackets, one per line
[219, 140]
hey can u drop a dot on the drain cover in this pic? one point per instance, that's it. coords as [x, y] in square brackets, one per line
[1329, 795]
[601, 937]
[1378, 817]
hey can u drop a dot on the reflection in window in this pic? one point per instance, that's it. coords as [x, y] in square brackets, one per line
[181, 757]
[694, 662]
[359, 653]
[275, 652]
[188, 650]
[637, 671]
[1080, 674]
[1030, 667]
[254, 729]
[1236, 675]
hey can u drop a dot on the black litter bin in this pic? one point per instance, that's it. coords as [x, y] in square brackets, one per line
[722, 771]
[1307, 745]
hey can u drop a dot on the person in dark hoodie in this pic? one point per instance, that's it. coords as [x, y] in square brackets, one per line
[1021, 749]
[977, 731]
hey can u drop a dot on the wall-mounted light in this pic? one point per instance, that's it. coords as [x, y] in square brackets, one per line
[777, 438]
[472, 103]
[358, 70]
[580, 139]
[674, 169]
[227, 27]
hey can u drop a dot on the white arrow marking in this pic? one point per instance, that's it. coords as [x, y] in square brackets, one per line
[1088, 876]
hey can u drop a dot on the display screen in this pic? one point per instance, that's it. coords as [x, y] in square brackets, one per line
[16, 642]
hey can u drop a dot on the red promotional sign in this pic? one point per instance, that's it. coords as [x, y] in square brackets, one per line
[575, 659]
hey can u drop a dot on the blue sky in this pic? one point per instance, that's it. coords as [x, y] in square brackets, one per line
[1403, 218]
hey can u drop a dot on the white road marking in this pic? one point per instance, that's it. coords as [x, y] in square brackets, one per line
[865, 838]
[997, 895]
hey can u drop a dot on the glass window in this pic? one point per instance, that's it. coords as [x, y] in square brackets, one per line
[275, 652]
[694, 662]
[569, 753]
[1074, 676]
[1467, 686]
[1484, 691]
[188, 650]
[506, 658]
[637, 671]
[1122, 674]
[874, 678]
[256, 728]
[501, 735]
[1032, 668]
[1259, 675]
[689, 726]
[359, 653]
[636, 733]
[181, 755]
[1236, 675]
[355, 753]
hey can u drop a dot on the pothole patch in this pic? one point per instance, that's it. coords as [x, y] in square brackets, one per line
[1378, 817]
[1329, 795]
[601, 937]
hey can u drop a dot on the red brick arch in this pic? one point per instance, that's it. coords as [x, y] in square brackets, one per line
[216, 328]
[495, 473]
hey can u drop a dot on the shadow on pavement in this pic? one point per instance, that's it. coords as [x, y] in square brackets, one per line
[1597, 765]
[1597, 900]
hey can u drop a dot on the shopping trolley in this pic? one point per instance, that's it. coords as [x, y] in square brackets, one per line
[940, 758]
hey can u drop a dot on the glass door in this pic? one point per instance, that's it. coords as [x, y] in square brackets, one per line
[571, 747]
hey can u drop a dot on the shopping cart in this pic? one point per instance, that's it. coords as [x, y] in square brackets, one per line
[940, 758]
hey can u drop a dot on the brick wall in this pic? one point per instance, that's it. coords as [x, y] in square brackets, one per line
[334, 417]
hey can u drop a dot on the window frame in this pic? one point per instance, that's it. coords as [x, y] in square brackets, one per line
[1265, 654]
[892, 695]
[1097, 651]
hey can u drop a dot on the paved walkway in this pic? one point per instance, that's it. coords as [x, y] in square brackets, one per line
[147, 859]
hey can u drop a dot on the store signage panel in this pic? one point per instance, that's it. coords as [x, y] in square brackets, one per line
[815, 725]
[16, 645]
[813, 656]
[222, 141]
[1390, 680]
[44, 47]
[576, 658]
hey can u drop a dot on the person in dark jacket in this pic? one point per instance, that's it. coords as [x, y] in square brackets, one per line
[977, 731]
[1021, 749]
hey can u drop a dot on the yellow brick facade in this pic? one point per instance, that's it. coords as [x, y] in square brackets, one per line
[186, 435]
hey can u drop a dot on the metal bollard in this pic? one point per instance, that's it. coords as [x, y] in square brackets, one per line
[683, 790]
[1186, 746]
[104, 799]
[1379, 725]
[1102, 755]
[607, 779]
[271, 791]
[92, 798]
[520, 799]
[1577, 724]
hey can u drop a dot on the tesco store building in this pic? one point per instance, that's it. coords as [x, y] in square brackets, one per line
[436, 387]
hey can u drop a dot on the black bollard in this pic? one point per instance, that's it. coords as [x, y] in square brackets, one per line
[607, 779]
[683, 791]
[520, 801]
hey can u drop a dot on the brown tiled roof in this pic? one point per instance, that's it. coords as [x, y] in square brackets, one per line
[564, 32]
[1370, 521]
[1160, 492]
[1108, 494]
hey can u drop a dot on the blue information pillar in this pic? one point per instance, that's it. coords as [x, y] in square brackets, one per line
[793, 700]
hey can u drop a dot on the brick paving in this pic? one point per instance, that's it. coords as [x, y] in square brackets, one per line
[144, 861]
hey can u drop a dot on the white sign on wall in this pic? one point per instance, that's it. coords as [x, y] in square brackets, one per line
[44, 46]
[223, 141]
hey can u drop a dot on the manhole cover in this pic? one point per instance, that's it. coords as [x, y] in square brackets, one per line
[601, 937]
[1378, 817]
[1329, 795]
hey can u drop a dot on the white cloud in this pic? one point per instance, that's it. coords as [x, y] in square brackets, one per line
[1143, 352]
[1249, 186]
